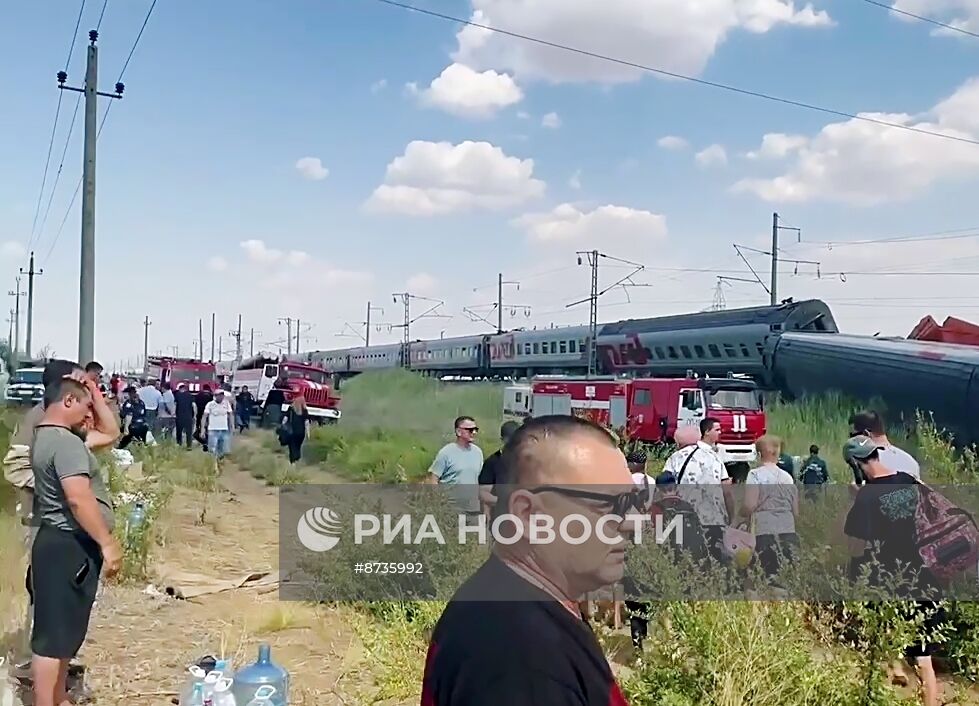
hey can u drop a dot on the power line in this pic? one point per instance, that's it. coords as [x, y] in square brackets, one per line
[105, 116]
[929, 20]
[939, 235]
[672, 74]
[98, 26]
[61, 164]
[54, 129]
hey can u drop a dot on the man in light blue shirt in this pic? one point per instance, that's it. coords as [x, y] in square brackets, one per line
[151, 397]
[459, 464]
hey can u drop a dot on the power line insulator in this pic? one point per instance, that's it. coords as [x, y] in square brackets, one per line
[93, 35]
[120, 87]
[62, 77]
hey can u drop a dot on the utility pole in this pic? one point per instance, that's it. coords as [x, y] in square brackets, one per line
[213, 318]
[146, 338]
[236, 335]
[297, 336]
[30, 303]
[200, 338]
[499, 301]
[773, 289]
[17, 294]
[593, 257]
[406, 298]
[251, 343]
[367, 323]
[86, 299]
[220, 348]
[288, 323]
[10, 334]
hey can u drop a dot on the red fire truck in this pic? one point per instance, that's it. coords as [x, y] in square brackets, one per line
[195, 373]
[651, 409]
[278, 382]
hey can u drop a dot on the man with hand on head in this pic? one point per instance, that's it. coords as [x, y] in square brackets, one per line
[74, 537]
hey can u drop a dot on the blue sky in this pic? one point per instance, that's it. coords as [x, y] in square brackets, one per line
[201, 206]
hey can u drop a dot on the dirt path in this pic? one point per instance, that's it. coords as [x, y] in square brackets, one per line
[139, 645]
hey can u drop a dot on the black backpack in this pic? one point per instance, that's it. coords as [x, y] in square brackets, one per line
[694, 545]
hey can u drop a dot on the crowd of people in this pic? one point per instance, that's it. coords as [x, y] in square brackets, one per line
[559, 660]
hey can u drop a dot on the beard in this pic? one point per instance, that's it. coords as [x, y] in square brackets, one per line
[81, 431]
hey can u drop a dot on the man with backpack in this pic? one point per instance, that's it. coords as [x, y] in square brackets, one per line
[886, 532]
[814, 472]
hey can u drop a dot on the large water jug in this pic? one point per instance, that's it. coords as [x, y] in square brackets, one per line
[264, 672]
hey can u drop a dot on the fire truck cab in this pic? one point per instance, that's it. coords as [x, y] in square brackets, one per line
[194, 373]
[652, 409]
[276, 383]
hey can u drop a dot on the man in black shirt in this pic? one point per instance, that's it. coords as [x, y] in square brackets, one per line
[200, 402]
[244, 404]
[491, 469]
[881, 527]
[512, 634]
[133, 416]
[184, 402]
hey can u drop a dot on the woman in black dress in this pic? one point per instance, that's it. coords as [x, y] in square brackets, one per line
[296, 423]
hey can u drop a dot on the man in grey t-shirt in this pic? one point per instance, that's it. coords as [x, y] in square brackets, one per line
[74, 535]
[459, 463]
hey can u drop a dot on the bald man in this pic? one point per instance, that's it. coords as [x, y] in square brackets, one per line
[512, 634]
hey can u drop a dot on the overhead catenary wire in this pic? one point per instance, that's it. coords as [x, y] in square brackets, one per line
[683, 77]
[923, 18]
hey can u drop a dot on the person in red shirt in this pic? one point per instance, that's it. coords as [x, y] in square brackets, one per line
[512, 634]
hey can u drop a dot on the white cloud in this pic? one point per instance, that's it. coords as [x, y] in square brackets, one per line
[379, 85]
[421, 283]
[523, 115]
[575, 181]
[670, 34]
[672, 142]
[963, 14]
[710, 156]
[461, 91]
[257, 251]
[569, 224]
[297, 258]
[434, 178]
[777, 145]
[217, 264]
[551, 120]
[12, 249]
[862, 163]
[312, 168]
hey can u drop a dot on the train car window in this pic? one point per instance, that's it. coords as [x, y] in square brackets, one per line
[536, 349]
[714, 350]
[518, 397]
[729, 351]
[564, 347]
[699, 351]
[685, 351]
[572, 346]
[672, 352]
[660, 353]
[582, 346]
[744, 351]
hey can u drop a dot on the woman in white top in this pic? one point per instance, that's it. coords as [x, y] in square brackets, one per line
[771, 500]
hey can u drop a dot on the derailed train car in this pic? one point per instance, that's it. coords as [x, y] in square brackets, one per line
[908, 376]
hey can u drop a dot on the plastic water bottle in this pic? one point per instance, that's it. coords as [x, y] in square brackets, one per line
[263, 696]
[223, 666]
[137, 516]
[264, 672]
[196, 696]
[210, 681]
[196, 679]
[222, 693]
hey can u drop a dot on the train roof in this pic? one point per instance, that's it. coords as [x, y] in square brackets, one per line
[767, 315]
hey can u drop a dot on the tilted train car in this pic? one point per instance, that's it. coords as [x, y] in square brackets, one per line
[941, 378]
[709, 343]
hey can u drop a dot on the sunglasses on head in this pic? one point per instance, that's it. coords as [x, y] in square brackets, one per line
[621, 503]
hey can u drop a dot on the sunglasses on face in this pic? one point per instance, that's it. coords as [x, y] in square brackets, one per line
[472, 429]
[620, 503]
